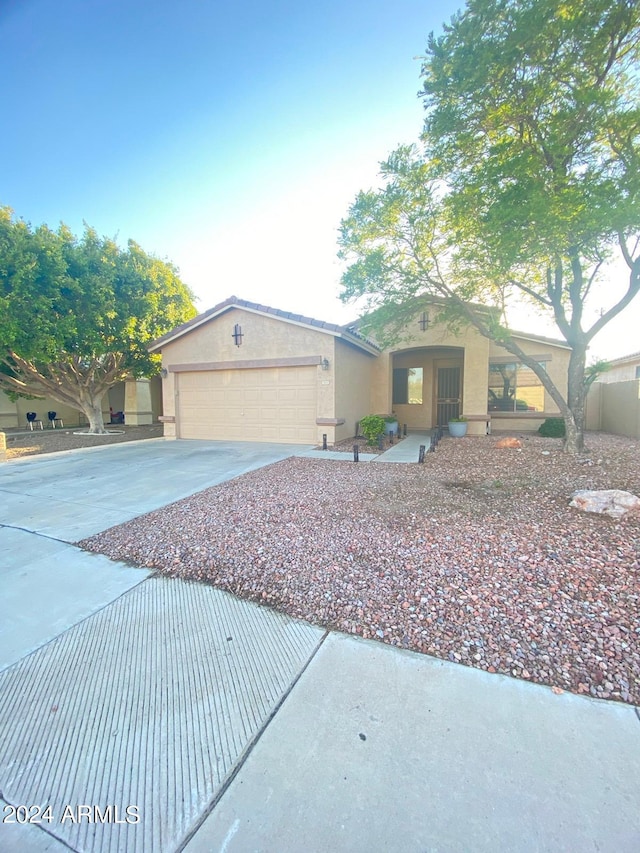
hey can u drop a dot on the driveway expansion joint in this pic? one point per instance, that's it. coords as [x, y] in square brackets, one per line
[36, 533]
[147, 703]
[249, 748]
[40, 827]
[79, 622]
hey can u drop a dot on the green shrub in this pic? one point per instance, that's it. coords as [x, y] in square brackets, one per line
[372, 426]
[552, 428]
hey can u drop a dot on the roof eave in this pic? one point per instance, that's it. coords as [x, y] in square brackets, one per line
[264, 310]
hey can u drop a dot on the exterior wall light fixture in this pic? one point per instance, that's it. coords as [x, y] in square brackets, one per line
[325, 364]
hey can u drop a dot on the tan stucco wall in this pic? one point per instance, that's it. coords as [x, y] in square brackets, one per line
[615, 407]
[593, 409]
[14, 415]
[69, 415]
[430, 349]
[156, 397]
[475, 380]
[353, 369]
[8, 412]
[137, 402]
[380, 391]
[263, 338]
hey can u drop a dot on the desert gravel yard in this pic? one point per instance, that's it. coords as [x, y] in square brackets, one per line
[474, 556]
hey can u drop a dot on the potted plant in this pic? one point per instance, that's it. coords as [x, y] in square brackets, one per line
[458, 427]
[390, 424]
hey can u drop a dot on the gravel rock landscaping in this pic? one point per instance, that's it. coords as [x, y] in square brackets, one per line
[474, 556]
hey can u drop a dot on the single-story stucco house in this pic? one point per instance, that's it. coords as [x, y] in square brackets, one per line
[622, 369]
[139, 400]
[246, 372]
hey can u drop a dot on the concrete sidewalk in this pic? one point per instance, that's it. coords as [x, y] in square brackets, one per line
[156, 715]
[377, 749]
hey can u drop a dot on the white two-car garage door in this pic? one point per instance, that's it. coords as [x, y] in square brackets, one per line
[253, 404]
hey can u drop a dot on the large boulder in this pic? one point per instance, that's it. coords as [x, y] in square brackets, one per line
[612, 502]
[513, 443]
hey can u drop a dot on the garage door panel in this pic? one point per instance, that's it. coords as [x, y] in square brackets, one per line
[274, 404]
[269, 415]
[270, 434]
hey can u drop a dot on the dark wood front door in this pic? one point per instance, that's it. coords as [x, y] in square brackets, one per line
[448, 395]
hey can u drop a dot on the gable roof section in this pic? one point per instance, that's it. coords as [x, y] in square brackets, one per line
[347, 333]
[527, 336]
[624, 359]
[424, 302]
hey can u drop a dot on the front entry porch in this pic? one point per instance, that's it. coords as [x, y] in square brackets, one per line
[427, 386]
[431, 385]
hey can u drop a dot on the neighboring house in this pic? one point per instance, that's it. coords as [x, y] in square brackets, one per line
[243, 371]
[139, 399]
[622, 369]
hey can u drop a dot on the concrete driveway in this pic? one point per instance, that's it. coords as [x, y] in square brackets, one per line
[47, 584]
[155, 715]
[76, 493]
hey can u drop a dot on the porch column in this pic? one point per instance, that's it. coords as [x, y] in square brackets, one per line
[137, 402]
[476, 380]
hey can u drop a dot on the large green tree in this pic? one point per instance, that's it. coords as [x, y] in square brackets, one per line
[76, 315]
[526, 181]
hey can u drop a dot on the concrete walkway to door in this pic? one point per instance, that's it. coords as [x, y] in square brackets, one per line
[407, 450]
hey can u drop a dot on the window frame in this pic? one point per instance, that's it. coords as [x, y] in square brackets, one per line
[400, 386]
[516, 366]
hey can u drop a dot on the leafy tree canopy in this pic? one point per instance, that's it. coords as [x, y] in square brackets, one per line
[77, 314]
[526, 180]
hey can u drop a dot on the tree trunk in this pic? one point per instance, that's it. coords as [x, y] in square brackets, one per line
[92, 408]
[576, 400]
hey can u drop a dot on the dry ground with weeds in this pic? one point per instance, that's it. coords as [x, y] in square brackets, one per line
[21, 443]
[474, 556]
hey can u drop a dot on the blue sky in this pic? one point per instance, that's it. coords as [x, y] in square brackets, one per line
[228, 137]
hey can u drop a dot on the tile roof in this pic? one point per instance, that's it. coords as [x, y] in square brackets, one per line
[621, 359]
[346, 331]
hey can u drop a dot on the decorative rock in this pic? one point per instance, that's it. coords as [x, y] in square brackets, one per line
[514, 443]
[612, 502]
[346, 547]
